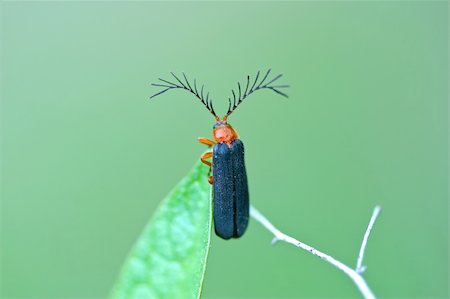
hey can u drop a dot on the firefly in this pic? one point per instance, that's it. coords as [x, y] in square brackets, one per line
[226, 159]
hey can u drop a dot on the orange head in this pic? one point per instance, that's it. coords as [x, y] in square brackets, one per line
[224, 133]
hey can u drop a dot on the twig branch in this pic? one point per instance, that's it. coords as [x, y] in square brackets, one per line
[355, 275]
[360, 268]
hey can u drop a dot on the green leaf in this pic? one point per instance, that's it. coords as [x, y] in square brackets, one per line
[169, 258]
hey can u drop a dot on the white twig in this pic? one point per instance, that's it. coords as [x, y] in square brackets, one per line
[353, 274]
[360, 268]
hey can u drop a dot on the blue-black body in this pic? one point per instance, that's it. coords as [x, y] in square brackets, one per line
[230, 189]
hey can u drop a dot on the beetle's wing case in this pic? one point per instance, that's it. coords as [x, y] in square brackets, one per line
[231, 199]
[223, 188]
[240, 189]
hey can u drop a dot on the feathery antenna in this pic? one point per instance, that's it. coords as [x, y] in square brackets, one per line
[167, 85]
[238, 96]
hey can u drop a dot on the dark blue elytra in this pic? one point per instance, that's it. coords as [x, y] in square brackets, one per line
[231, 199]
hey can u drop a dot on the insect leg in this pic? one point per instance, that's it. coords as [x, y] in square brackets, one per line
[206, 141]
[206, 156]
[203, 158]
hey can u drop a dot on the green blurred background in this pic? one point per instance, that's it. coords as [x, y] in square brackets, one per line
[86, 157]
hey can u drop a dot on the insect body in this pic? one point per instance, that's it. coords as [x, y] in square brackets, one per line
[229, 177]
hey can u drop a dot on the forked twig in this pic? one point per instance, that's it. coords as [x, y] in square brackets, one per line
[354, 274]
[360, 268]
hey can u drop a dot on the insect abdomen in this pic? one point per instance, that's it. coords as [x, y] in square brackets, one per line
[231, 198]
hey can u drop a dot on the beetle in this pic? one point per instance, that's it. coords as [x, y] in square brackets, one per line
[229, 176]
